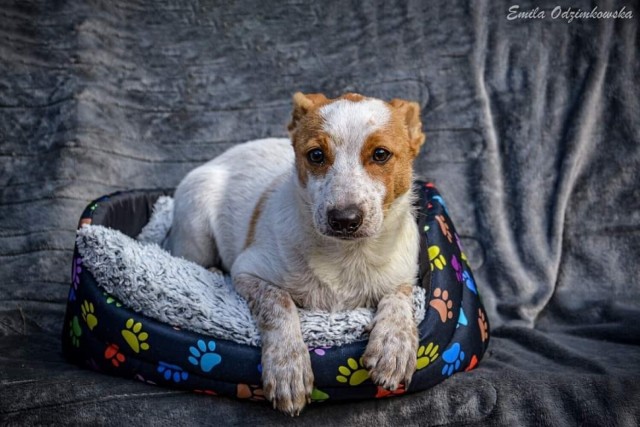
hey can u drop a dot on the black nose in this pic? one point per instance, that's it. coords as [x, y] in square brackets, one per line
[346, 220]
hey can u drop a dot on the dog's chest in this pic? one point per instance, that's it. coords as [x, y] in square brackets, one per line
[346, 279]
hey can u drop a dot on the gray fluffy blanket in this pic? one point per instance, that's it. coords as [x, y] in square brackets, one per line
[533, 138]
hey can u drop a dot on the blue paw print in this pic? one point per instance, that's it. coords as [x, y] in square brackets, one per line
[468, 280]
[172, 372]
[462, 319]
[441, 201]
[203, 355]
[453, 358]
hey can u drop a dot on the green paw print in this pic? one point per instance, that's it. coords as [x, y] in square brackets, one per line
[426, 355]
[354, 373]
[88, 315]
[436, 259]
[75, 331]
[112, 300]
[318, 395]
[134, 336]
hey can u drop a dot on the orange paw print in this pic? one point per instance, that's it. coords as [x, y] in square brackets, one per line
[442, 304]
[484, 326]
[251, 392]
[444, 227]
[472, 364]
[382, 393]
[112, 353]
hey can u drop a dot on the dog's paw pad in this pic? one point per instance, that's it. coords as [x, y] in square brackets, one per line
[354, 373]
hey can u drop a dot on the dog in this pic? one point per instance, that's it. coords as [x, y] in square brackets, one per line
[323, 220]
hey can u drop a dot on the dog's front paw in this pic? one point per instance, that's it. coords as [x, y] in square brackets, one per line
[390, 355]
[287, 378]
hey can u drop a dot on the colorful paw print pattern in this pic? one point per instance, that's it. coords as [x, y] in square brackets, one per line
[442, 304]
[76, 269]
[112, 353]
[75, 331]
[203, 356]
[172, 372]
[426, 355]
[436, 259]
[383, 393]
[453, 357]
[318, 395]
[102, 334]
[135, 336]
[354, 373]
[249, 391]
[88, 314]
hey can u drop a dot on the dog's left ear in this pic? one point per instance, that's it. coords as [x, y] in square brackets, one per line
[410, 112]
[302, 104]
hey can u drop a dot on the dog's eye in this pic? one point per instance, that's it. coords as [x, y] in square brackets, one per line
[380, 155]
[316, 156]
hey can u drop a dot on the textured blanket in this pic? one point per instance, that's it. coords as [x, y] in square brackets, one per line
[533, 133]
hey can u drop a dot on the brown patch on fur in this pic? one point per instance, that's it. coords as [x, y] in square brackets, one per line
[408, 115]
[305, 141]
[406, 290]
[402, 137]
[353, 97]
[257, 211]
[306, 134]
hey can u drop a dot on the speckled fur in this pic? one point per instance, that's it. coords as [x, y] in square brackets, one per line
[291, 256]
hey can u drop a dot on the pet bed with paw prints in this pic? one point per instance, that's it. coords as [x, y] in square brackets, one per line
[137, 312]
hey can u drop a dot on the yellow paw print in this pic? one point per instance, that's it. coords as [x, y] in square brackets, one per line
[436, 259]
[354, 373]
[134, 336]
[88, 315]
[426, 355]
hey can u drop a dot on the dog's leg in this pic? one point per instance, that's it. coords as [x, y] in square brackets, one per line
[390, 355]
[287, 378]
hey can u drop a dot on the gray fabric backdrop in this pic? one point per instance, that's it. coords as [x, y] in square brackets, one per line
[533, 136]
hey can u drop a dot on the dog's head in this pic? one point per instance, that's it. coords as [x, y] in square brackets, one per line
[354, 158]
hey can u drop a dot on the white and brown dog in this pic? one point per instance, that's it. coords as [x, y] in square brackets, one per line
[321, 221]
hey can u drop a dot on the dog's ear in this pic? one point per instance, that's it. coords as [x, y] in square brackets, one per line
[302, 104]
[409, 112]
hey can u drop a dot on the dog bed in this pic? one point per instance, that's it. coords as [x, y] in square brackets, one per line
[135, 311]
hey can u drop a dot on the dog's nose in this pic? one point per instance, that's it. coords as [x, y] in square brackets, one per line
[346, 220]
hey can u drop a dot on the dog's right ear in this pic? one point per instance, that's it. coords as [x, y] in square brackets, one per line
[302, 104]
